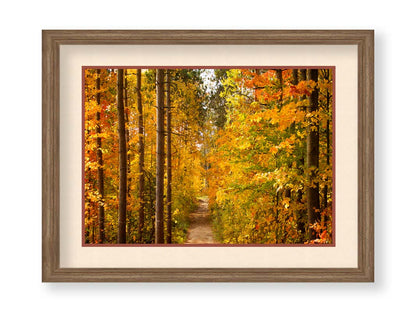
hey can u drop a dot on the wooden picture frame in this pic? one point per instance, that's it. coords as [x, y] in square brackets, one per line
[54, 39]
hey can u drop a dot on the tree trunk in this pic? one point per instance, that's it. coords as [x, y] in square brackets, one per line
[295, 80]
[101, 217]
[302, 216]
[168, 163]
[312, 157]
[328, 141]
[302, 74]
[122, 204]
[141, 156]
[285, 193]
[279, 75]
[159, 239]
[126, 104]
[152, 204]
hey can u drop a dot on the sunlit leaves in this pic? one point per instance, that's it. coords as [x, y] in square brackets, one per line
[245, 150]
[260, 154]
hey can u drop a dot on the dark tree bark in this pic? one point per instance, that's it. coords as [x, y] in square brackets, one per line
[168, 162]
[295, 79]
[122, 204]
[312, 157]
[152, 205]
[302, 216]
[257, 71]
[279, 75]
[101, 217]
[159, 239]
[141, 156]
[327, 134]
[285, 192]
[126, 118]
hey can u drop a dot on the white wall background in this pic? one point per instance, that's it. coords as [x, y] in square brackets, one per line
[20, 170]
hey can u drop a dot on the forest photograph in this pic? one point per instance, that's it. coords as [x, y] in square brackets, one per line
[208, 156]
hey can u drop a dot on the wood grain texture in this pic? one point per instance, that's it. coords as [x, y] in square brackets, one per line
[52, 39]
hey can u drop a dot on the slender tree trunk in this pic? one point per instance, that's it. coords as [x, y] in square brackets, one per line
[284, 193]
[126, 120]
[302, 74]
[88, 216]
[151, 183]
[141, 156]
[312, 157]
[93, 233]
[279, 75]
[327, 138]
[159, 157]
[302, 216]
[126, 104]
[328, 148]
[257, 71]
[101, 217]
[295, 79]
[168, 162]
[122, 204]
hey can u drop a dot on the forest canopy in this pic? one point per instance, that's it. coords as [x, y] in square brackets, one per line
[222, 155]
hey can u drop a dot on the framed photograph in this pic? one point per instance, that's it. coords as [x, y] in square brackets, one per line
[208, 156]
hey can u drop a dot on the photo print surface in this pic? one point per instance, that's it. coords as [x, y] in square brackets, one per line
[208, 156]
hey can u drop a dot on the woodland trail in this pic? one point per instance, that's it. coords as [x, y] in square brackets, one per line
[200, 231]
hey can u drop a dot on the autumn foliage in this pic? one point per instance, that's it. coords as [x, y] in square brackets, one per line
[244, 138]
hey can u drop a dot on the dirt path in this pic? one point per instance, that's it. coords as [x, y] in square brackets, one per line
[200, 231]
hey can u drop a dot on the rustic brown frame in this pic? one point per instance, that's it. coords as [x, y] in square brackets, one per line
[52, 39]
